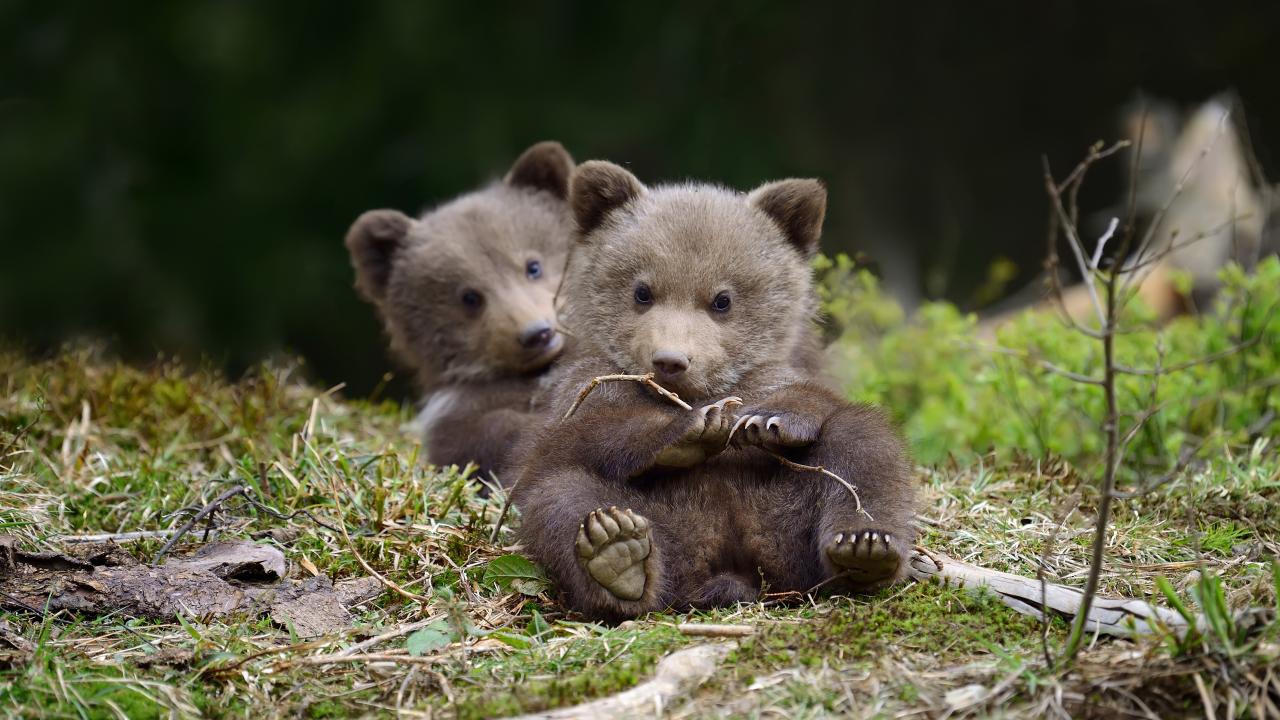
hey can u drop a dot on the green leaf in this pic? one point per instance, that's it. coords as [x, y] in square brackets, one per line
[519, 642]
[432, 637]
[539, 626]
[517, 573]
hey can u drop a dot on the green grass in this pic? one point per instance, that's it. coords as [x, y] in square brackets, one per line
[88, 445]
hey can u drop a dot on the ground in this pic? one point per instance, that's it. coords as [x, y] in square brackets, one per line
[90, 445]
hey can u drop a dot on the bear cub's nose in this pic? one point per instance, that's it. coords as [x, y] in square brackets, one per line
[670, 363]
[536, 335]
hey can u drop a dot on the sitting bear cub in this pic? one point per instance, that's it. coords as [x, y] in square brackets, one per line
[465, 293]
[634, 504]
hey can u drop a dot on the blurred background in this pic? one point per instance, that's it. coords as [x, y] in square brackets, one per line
[177, 177]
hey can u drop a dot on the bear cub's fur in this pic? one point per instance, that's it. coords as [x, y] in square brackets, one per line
[466, 296]
[633, 504]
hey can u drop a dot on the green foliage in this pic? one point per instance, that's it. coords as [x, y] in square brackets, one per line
[432, 637]
[518, 573]
[956, 395]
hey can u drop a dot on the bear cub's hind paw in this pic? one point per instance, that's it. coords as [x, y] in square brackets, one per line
[613, 545]
[865, 557]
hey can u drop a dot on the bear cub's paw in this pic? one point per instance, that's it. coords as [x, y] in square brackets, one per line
[613, 545]
[707, 436]
[773, 430]
[865, 557]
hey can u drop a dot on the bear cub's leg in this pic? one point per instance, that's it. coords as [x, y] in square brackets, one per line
[613, 546]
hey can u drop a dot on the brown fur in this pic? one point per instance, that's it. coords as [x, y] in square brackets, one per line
[479, 365]
[721, 525]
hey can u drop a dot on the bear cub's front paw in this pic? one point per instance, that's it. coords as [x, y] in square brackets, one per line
[773, 430]
[707, 436]
[613, 545]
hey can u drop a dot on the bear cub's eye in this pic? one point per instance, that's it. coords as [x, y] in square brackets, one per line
[721, 303]
[533, 269]
[472, 299]
[643, 295]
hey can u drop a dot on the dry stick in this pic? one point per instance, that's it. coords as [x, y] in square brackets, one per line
[204, 512]
[114, 537]
[370, 658]
[390, 635]
[647, 379]
[709, 630]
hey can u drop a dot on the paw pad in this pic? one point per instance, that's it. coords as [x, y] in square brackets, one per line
[613, 545]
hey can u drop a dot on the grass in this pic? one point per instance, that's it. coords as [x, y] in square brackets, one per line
[88, 445]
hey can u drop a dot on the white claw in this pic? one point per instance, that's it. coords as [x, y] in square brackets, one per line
[774, 423]
[875, 536]
[839, 538]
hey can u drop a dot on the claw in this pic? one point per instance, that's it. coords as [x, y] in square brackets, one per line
[774, 423]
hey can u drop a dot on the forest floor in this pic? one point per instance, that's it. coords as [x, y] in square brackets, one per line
[91, 446]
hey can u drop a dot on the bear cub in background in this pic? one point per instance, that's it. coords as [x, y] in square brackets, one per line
[634, 504]
[466, 293]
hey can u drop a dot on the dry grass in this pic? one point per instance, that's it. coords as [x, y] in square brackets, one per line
[91, 446]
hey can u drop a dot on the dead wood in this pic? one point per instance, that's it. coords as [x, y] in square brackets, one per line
[1121, 617]
[677, 675]
[218, 580]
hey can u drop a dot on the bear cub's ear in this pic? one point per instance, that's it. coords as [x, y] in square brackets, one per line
[598, 188]
[545, 166]
[797, 206]
[373, 241]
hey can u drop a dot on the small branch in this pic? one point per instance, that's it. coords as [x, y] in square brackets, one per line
[204, 512]
[389, 635]
[113, 537]
[370, 658]
[506, 507]
[1077, 377]
[819, 469]
[646, 379]
[701, 630]
[1102, 243]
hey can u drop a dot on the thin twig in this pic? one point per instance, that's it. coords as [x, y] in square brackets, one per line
[646, 379]
[370, 658]
[708, 630]
[819, 469]
[390, 635]
[506, 507]
[204, 512]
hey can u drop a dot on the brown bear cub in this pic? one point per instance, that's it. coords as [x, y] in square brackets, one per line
[466, 294]
[634, 504]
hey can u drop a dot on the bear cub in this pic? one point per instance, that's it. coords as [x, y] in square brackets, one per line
[634, 504]
[466, 293]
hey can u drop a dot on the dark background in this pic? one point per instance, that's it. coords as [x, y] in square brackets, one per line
[177, 177]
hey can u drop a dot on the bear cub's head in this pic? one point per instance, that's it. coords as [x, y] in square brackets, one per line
[466, 291]
[695, 283]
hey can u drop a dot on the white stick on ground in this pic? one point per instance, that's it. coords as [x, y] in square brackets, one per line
[677, 675]
[1121, 617]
